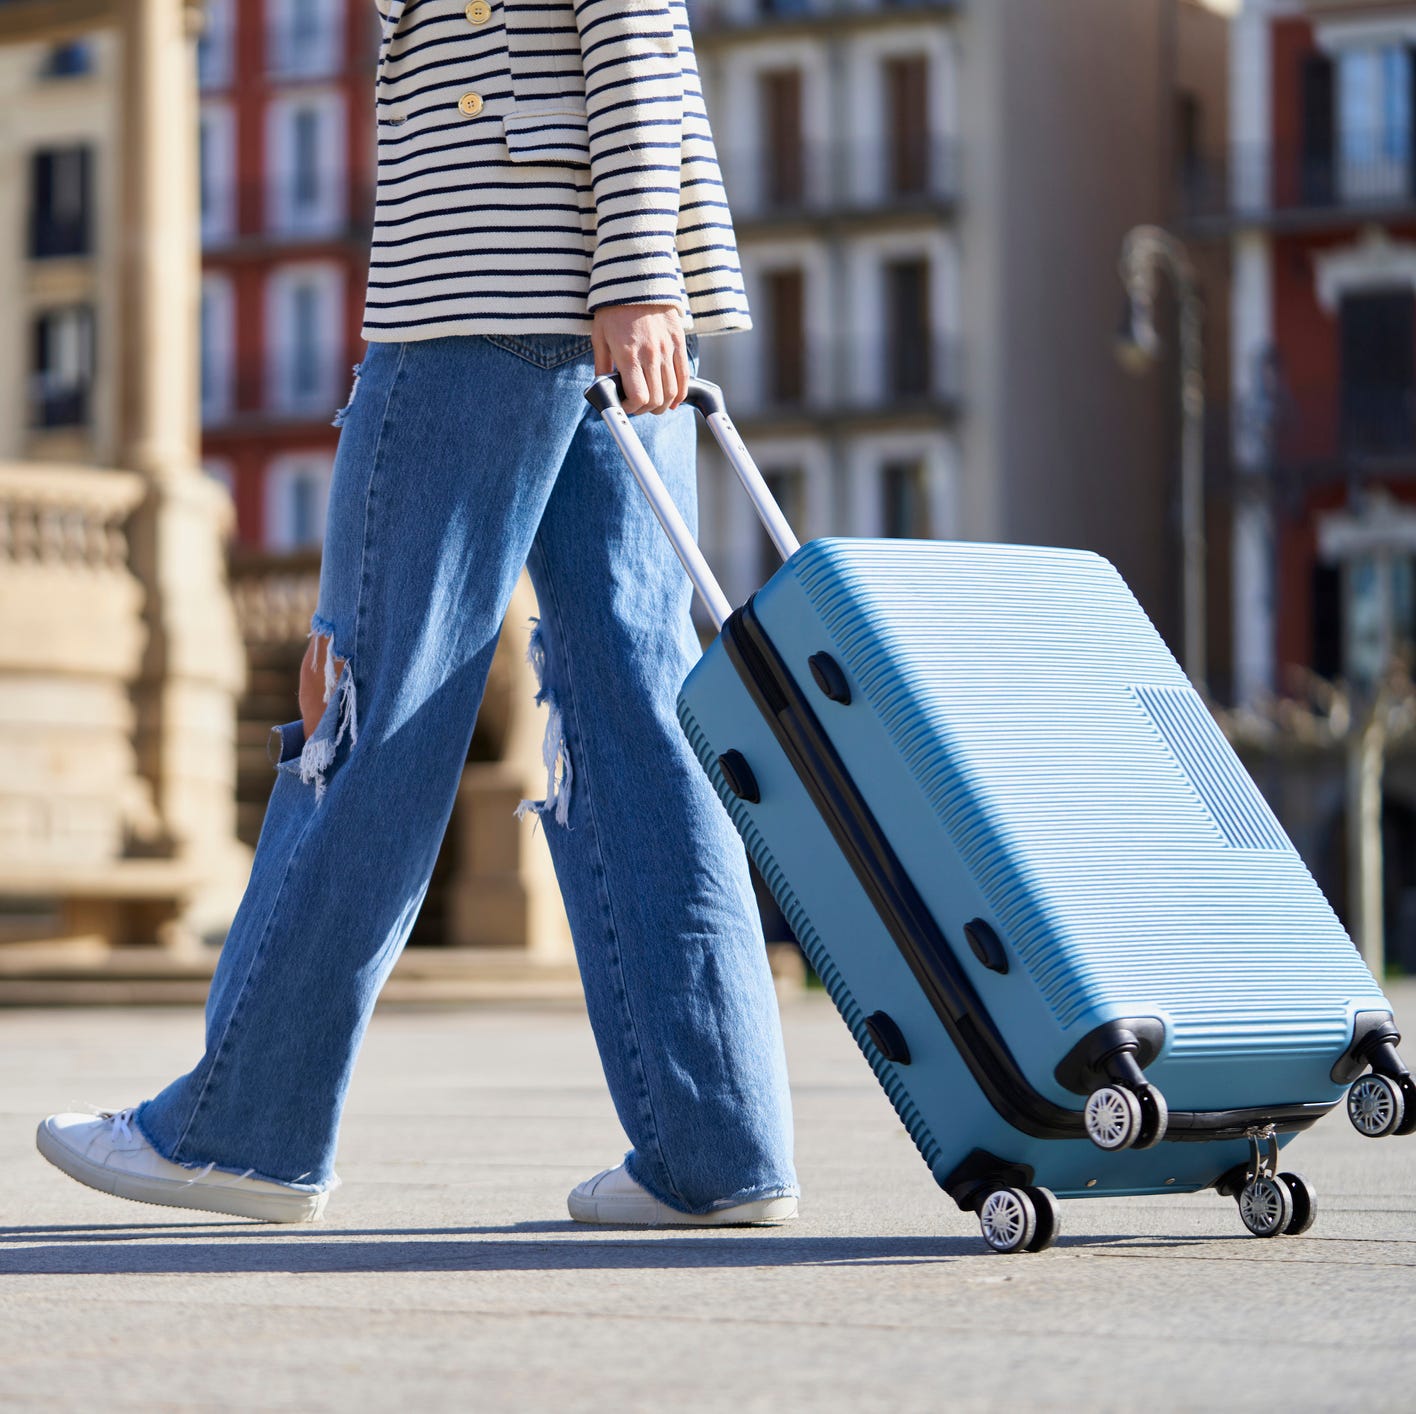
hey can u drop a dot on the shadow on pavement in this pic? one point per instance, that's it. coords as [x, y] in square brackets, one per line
[118, 1251]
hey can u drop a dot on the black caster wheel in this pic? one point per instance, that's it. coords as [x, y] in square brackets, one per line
[1407, 1085]
[1113, 1118]
[1008, 1219]
[1266, 1207]
[1049, 1218]
[1376, 1105]
[1155, 1116]
[1305, 1203]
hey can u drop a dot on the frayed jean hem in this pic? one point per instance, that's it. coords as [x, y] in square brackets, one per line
[743, 1195]
[222, 1168]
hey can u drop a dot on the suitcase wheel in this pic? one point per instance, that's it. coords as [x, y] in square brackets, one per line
[1008, 1219]
[1155, 1116]
[1266, 1206]
[1049, 1218]
[1305, 1203]
[1376, 1105]
[1113, 1118]
[1407, 1084]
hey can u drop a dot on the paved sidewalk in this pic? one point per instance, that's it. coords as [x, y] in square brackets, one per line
[447, 1277]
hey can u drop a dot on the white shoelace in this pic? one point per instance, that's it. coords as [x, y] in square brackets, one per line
[120, 1121]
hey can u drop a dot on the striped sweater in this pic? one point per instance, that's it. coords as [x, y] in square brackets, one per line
[538, 159]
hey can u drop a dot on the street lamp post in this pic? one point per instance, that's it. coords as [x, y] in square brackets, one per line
[1145, 253]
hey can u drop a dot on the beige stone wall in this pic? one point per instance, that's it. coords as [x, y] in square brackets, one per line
[71, 643]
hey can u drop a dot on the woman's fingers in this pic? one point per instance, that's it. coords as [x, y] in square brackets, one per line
[646, 345]
[681, 371]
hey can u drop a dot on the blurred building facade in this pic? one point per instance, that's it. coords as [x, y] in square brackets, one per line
[123, 639]
[930, 197]
[57, 186]
[1316, 196]
[119, 660]
[287, 154]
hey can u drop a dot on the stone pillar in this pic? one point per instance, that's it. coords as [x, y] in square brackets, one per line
[194, 666]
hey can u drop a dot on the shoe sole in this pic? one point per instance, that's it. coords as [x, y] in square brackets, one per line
[769, 1212]
[172, 1193]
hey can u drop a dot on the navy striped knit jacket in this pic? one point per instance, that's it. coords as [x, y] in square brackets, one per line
[539, 160]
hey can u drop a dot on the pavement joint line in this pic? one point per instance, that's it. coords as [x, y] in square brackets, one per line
[923, 1327]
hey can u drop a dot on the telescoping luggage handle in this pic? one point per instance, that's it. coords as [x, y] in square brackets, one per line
[604, 396]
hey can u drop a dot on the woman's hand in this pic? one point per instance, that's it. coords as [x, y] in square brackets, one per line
[645, 343]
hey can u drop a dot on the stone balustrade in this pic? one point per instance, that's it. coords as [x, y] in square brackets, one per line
[274, 595]
[75, 811]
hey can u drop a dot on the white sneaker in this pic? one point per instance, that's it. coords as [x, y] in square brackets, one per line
[614, 1197]
[107, 1152]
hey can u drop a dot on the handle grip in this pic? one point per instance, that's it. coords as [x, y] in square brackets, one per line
[604, 396]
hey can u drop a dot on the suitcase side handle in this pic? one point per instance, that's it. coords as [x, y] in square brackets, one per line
[707, 398]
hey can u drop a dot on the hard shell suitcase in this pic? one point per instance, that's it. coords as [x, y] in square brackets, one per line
[1077, 948]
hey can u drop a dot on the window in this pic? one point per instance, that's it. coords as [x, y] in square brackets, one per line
[217, 345]
[216, 44]
[1315, 175]
[305, 165]
[61, 202]
[296, 497]
[61, 379]
[788, 487]
[907, 124]
[783, 172]
[786, 347]
[1381, 613]
[908, 361]
[1189, 135]
[216, 147]
[305, 340]
[1374, 121]
[304, 38]
[1378, 348]
[305, 158]
[68, 61]
[1327, 621]
[904, 500]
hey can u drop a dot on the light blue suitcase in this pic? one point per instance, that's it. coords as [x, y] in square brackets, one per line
[1075, 945]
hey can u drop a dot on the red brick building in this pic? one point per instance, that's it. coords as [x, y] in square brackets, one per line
[1317, 197]
[1320, 193]
[287, 182]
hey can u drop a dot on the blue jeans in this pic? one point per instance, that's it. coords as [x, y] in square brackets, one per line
[461, 460]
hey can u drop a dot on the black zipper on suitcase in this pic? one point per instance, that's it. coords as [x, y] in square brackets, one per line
[912, 926]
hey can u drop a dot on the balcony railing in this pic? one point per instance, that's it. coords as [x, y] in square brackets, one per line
[282, 208]
[304, 51]
[713, 17]
[56, 238]
[53, 408]
[829, 178]
[1311, 433]
[828, 379]
[1275, 182]
[277, 389]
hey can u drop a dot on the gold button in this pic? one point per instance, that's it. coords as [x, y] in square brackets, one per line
[478, 12]
[471, 104]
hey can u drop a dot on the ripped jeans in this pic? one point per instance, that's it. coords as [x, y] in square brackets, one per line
[460, 460]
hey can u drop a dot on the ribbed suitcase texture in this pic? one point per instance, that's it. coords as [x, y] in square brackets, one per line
[1039, 761]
